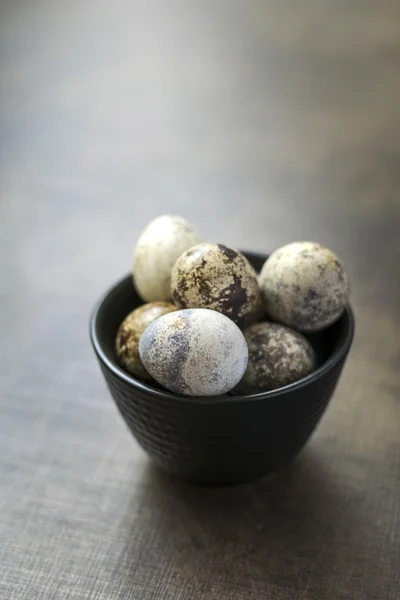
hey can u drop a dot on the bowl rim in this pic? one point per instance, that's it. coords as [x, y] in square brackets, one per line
[319, 372]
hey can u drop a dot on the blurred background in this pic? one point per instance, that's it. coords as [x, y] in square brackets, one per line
[262, 122]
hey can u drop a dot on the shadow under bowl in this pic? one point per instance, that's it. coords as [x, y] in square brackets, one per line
[221, 440]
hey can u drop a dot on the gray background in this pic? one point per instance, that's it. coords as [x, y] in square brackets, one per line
[263, 122]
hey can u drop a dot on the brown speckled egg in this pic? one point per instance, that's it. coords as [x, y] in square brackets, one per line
[129, 334]
[217, 277]
[304, 286]
[196, 352]
[278, 356]
[159, 245]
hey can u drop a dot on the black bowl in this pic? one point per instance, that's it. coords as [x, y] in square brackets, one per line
[226, 439]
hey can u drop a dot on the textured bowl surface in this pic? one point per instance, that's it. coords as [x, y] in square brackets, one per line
[218, 440]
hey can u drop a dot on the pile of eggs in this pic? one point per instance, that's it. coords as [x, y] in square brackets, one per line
[210, 325]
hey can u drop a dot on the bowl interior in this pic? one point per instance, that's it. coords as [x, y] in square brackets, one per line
[122, 298]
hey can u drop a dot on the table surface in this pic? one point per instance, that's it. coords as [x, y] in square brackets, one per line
[263, 122]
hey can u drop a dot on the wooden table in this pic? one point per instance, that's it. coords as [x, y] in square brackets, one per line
[263, 122]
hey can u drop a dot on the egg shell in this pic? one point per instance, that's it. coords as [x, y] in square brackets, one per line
[129, 334]
[304, 286]
[217, 277]
[278, 356]
[197, 352]
[159, 245]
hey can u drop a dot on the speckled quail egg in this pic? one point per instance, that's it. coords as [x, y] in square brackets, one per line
[197, 352]
[304, 286]
[278, 356]
[130, 331]
[160, 244]
[217, 277]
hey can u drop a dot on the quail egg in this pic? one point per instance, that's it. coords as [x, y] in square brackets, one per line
[130, 331]
[277, 356]
[217, 277]
[304, 285]
[197, 352]
[160, 244]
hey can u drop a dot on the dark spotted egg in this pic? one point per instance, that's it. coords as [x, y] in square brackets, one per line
[278, 356]
[196, 352]
[304, 286]
[217, 277]
[130, 331]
